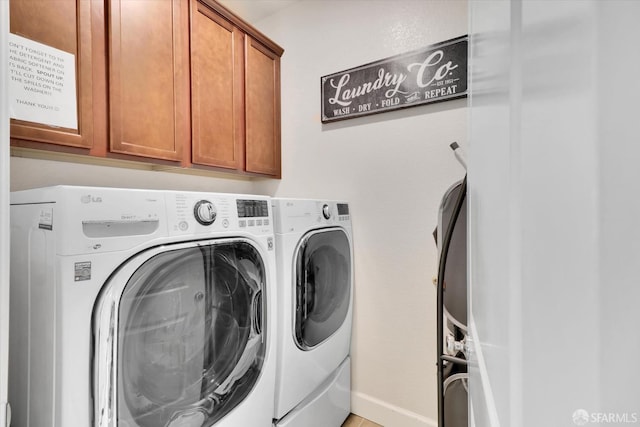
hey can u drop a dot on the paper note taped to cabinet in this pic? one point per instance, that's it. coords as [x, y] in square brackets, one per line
[42, 84]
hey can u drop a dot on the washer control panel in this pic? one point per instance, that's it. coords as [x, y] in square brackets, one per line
[202, 213]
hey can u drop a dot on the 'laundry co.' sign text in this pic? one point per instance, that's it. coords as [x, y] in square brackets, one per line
[435, 73]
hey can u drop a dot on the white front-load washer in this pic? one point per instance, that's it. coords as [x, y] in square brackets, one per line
[314, 247]
[139, 308]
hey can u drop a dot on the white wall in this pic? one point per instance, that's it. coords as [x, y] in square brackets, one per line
[393, 168]
[4, 210]
[619, 175]
[554, 241]
[492, 259]
[32, 173]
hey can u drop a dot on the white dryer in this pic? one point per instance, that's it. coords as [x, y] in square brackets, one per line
[141, 308]
[314, 249]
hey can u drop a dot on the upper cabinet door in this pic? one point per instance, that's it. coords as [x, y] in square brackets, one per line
[64, 25]
[262, 76]
[217, 90]
[149, 77]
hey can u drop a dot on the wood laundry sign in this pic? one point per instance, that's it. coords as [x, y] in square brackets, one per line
[435, 73]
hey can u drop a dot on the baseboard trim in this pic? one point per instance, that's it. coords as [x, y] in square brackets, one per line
[387, 414]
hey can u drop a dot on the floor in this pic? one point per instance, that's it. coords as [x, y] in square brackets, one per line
[356, 421]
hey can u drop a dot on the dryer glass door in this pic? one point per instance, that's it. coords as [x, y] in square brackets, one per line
[323, 286]
[190, 342]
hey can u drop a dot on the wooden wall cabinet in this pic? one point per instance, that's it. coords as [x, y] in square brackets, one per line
[186, 83]
[235, 93]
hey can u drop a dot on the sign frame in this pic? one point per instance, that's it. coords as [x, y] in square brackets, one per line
[434, 73]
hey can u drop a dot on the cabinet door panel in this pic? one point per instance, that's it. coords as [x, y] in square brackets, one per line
[262, 76]
[64, 25]
[216, 89]
[149, 82]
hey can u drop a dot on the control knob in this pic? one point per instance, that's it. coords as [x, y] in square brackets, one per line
[205, 212]
[326, 212]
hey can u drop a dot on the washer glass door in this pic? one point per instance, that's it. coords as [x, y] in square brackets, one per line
[323, 286]
[189, 343]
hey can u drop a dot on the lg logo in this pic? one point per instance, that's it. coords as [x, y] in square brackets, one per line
[90, 199]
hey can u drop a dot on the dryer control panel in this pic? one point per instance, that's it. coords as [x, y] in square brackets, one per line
[343, 211]
[334, 212]
[293, 215]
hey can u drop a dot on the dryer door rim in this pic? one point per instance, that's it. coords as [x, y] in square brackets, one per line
[299, 300]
